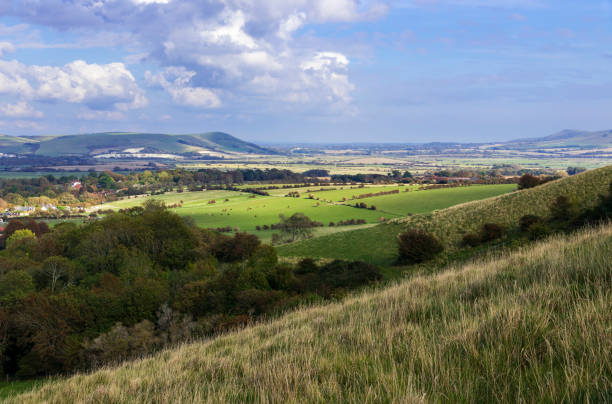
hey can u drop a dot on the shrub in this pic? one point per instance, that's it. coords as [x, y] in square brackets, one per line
[470, 240]
[417, 246]
[491, 231]
[528, 181]
[527, 221]
[538, 230]
[237, 248]
[562, 209]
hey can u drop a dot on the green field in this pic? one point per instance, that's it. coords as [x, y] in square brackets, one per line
[429, 200]
[377, 245]
[246, 211]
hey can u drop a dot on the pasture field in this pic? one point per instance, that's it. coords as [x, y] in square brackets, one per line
[336, 193]
[424, 201]
[246, 211]
[450, 224]
[527, 326]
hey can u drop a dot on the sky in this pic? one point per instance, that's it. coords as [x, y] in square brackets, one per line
[307, 70]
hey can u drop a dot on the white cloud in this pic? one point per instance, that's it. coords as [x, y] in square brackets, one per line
[291, 24]
[20, 109]
[20, 124]
[101, 87]
[238, 48]
[90, 115]
[329, 70]
[6, 47]
[176, 81]
[229, 32]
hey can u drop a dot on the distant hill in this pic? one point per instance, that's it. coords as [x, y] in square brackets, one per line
[567, 138]
[127, 144]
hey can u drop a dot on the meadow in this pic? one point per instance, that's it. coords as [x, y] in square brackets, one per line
[527, 326]
[450, 224]
[247, 211]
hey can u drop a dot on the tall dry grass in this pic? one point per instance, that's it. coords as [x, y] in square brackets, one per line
[533, 326]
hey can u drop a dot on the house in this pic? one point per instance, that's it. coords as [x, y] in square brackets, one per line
[76, 185]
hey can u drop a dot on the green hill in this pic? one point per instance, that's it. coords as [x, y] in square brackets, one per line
[94, 144]
[15, 144]
[531, 326]
[566, 138]
[378, 244]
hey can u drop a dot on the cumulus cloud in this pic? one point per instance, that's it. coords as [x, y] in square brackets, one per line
[102, 87]
[20, 109]
[234, 48]
[329, 69]
[176, 81]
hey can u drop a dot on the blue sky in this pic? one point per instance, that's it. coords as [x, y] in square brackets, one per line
[307, 70]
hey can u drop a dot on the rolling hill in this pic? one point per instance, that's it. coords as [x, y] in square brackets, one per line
[566, 139]
[528, 326]
[378, 244]
[119, 144]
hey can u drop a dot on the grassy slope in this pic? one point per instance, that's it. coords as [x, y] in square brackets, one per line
[569, 138]
[528, 327]
[450, 224]
[430, 200]
[227, 142]
[83, 144]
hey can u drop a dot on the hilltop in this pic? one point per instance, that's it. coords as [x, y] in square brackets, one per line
[526, 327]
[569, 138]
[130, 145]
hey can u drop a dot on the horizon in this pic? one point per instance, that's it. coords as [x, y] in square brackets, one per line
[311, 72]
[300, 143]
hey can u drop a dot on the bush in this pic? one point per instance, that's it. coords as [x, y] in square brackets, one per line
[538, 230]
[417, 246]
[470, 240]
[527, 221]
[490, 232]
[562, 210]
[528, 181]
[237, 248]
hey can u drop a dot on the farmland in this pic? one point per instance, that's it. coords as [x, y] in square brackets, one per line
[377, 245]
[247, 211]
